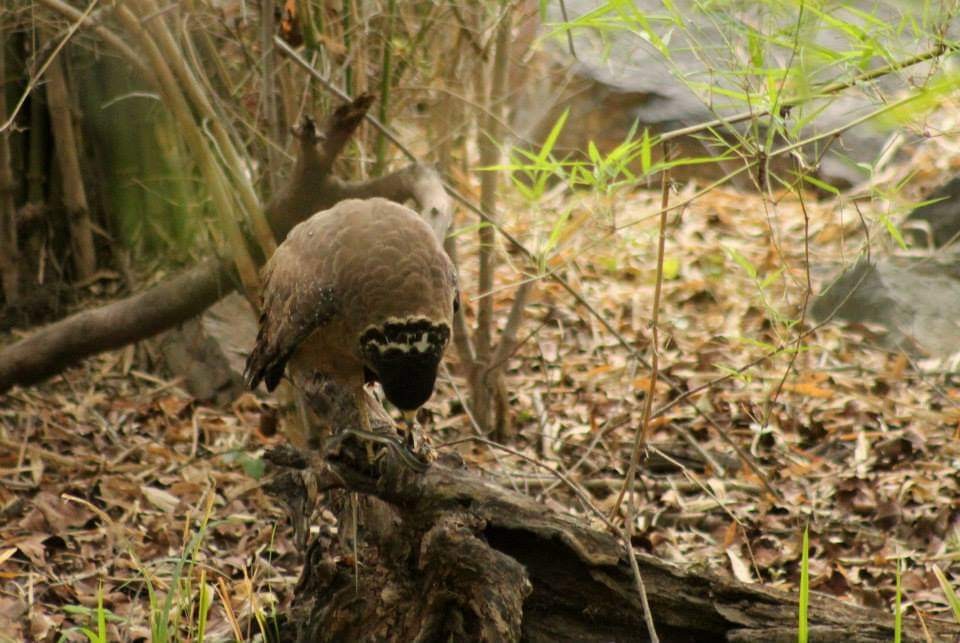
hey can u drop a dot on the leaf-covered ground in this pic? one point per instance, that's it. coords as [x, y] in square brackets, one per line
[116, 486]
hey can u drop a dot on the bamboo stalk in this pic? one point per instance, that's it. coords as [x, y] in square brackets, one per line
[74, 194]
[9, 248]
[268, 93]
[37, 161]
[345, 19]
[215, 180]
[112, 132]
[176, 63]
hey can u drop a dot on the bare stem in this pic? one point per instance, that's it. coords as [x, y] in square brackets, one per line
[640, 439]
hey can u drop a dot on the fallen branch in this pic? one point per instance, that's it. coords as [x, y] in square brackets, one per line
[311, 188]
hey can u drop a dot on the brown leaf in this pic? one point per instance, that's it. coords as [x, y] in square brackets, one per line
[162, 500]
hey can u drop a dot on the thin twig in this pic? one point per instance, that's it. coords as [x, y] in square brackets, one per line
[573, 486]
[803, 307]
[473, 421]
[640, 439]
[563, 12]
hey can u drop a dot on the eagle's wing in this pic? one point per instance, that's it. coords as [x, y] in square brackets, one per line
[297, 300]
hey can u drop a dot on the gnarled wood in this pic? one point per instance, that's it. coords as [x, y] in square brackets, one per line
[446, 553]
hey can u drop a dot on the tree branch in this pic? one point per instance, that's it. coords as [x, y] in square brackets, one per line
[57, 346]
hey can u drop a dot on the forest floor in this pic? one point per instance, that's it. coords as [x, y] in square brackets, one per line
[117, 486]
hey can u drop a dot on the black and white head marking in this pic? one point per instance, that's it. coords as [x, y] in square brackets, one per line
[403, 355]
[411, 336]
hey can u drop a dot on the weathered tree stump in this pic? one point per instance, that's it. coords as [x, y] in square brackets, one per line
[444, 554]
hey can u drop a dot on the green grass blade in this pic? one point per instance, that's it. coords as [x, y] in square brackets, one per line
[897, 611]
[803, 633]
[206, 600]
[101, 615]
[949, 592]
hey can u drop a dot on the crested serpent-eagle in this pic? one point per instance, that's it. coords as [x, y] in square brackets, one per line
[362, 292]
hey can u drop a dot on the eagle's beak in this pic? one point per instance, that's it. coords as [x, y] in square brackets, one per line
[409, 416]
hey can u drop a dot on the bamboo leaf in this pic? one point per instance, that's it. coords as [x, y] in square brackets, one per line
[741, 261]
[893, 231]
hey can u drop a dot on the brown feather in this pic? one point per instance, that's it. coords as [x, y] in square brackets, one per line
[340, 272]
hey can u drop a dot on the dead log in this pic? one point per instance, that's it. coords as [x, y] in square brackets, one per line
[445, 554]
[311, 188]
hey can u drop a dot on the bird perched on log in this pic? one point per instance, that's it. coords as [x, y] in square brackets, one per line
[362, 292]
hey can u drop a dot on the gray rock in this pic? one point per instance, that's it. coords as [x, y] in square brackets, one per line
[916, 300]
[618, 77]
[936, 224]
[209, 352]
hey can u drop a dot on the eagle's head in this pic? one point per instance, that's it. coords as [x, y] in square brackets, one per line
[403, 355]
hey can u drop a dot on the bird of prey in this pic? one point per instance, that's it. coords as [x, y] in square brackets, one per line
[362, 292]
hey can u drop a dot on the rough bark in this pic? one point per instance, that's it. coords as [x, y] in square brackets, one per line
[311, 188]
[445, 554]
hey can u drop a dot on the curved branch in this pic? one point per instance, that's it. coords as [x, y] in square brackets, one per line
[53, 348]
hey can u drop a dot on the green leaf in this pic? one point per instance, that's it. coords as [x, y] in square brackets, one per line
[766, 346]
[741, 261]
[593, 153]
[253, 467]
[101, 615]
[671, 268]
[823, 185]
[646, 153]
[755, 46]
[735, 373]
[772, 278]
[556, 232]
[91, 635]
[897, 610]
[893, 231]
[553, 136]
